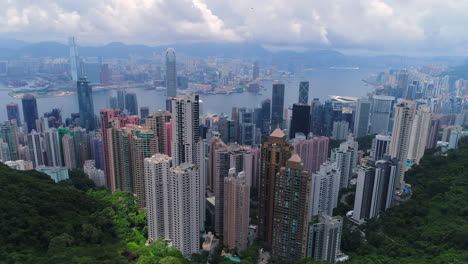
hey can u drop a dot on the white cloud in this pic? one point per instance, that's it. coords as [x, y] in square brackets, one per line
[378, 25]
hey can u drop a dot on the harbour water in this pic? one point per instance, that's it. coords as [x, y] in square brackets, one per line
[323, 82]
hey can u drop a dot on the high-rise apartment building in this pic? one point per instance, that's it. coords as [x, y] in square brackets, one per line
[53, 148]
[434, 127]
[86, 104]
[30, 112]
[36, 148]
[236, 211]
[157, 122]
[172, 202]
[325, 188]
[325, 239]
[346, 159]
[171, 73]
[374, 189]
[290, 217]
[404, 115]
[419, 134]
[277, 106]
[69, 159]
[9, 134]
[340, 130]
[275, 152]
[380, 146]
[313, 152]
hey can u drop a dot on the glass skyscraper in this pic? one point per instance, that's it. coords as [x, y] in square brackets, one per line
[85, 104]
[171, 73]
[30, 111]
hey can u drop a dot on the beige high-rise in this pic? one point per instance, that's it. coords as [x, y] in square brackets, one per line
[236, 211]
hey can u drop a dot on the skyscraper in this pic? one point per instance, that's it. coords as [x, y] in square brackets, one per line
[380, 146]
[236, 211]
[381, 111]
[266, 117]
[157, 122]
[13, 113]
[53, 149]
[290, 218]
[255, 71]
[144, 112]
[172, 202]
[86, 104]
[303, 92]
[74, 60]
[131, 103]
[69, 159]
[275, 152]
[361, 118]
[121, 99]
[300, 121]
[246, 127]
[404, 115]
[9, 135]
[340, 130]
[30, 113]
[374, 189]
[277, 106]
[325, 239]
[434, 127]
[171, 73]
[36, 148]
[419, 134]
[313, 152]
[325, 188]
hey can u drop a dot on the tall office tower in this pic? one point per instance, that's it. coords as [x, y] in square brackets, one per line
[434, 127]
[30, 113]
[246, 127]
[340, 130]
[290, 218]
[381, 110]
[54, 118]
[322, 123]
[173, 205]
[277, 106]
[188, 151]
[82, 146]
[325, 239]
[143, 143]
[313, 152]
[157, 122]
[36, 148]
[9, 134]
[325, 188]
[113, 103]
[266, 117]
[120, 99]
[402, 81]
[374, 189]
[4, 151]
[361, 118]
[13, 113]
[300, 121]
[346, 159]
[131, 103]
[404, 115]
[236, 211]
[171, 73]
[419, 134]
[380, 146]
[144, 112]
[53, 149]
[225, 127]
[85, 104]
[303, 92]
[69, 151]
[74, 59]
[275, 152]
[255, 71]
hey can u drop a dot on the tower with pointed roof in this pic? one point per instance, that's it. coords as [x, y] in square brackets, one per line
[290, 217]
[275, 152]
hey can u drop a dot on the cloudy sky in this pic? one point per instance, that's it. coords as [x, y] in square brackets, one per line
[379, 26]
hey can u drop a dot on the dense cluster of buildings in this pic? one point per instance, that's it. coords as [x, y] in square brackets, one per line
[196, 173]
